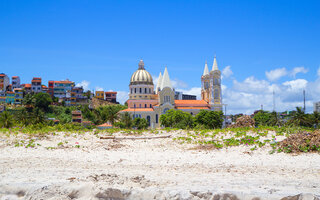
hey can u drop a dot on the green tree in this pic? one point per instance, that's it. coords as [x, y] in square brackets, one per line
[262, 118]
[177, 119]
[109, 113]
[140, 123]
[126, 120]
[209, 119]
[6, 119]
[315, 119]
[28, 100]
[42, 101]
[299, 118]
[274, 119]
[38, 116]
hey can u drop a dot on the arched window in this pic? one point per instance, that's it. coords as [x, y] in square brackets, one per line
[148, 119]
[216, 94]
[165, 110]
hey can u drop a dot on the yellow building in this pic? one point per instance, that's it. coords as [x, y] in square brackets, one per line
[100, 95]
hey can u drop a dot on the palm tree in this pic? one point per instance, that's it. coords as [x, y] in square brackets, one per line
[316, 118]
[6, 120]
[126, 119]
[300, 118]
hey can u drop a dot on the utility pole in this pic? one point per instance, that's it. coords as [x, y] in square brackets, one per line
[304, 101]
[274, 102]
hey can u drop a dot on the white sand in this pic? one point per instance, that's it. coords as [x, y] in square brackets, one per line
[149, 169]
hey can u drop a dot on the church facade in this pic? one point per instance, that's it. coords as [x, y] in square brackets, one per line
[150, 103]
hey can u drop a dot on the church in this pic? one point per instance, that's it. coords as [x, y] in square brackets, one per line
[149, 102]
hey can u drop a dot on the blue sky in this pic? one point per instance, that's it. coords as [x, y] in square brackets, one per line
[261, 46]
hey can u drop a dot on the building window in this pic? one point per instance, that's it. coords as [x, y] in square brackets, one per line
[131, 90]
[145, 105]
[166, 99]
[156, 118]
[150, 90]
[145, 90]
[140, 105]
[134, 105]
[140, 90]
[135, 90]
[150, 106]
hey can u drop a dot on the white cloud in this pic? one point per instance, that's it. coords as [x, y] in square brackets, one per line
[227, 72]
[295, 85]
[193, 91]
[176, 83]
[99, 88]
[297, 70]
[276, 74]
[122, 96]
[85, 84]
[318, 72]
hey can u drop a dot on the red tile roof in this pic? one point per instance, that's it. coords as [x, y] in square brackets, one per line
[185, 102]
[27, 85]
[186, 108]
[15, 77]
[111, 92]
[137, 110]
[105, 125]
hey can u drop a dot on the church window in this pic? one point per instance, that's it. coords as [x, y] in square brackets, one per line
[216, 94]
[165, 110]
[166, 99]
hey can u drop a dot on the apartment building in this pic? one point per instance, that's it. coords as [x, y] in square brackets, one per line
[18, 92]
[36, 85]
[10, 97]
[100, 95]
[4, 82]
[60, 88]
[15, 82]
[111, 97]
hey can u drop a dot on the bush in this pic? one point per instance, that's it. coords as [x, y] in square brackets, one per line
[177, 119]
[209, 119]
[140, 123]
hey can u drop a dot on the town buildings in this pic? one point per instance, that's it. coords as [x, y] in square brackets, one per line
[15, 82]
[150, 103]
[4, 82]
[36, 86]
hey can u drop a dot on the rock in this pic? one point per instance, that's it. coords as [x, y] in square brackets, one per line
[110, 194]
[302, 197]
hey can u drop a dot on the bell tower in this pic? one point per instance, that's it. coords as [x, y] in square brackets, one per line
[211, 86]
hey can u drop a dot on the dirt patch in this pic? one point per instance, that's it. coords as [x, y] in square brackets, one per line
[301, 142]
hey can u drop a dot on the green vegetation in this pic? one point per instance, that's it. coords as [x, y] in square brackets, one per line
[183, 120]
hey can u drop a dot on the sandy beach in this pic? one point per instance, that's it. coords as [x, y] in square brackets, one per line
[83, 166]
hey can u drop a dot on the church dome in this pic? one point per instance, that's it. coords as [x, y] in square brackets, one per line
[141, 76]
